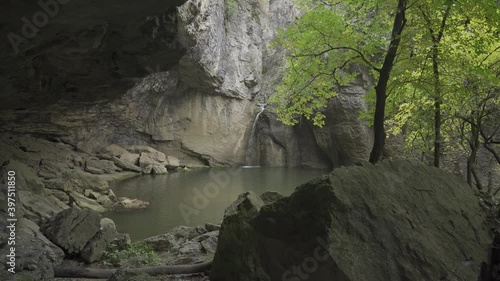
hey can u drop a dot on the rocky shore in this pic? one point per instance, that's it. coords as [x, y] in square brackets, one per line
[52, 175]
[53, 178]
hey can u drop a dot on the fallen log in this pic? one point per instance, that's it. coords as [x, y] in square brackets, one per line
[100, 273]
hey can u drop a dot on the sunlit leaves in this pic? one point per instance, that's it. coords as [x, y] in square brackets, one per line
[323, 45]
[468, 57]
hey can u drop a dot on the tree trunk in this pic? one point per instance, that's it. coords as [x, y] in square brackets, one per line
[479, 186]
[492, 150]
[436, 40]
[472, 159]
[437, 133]
[98, 273]
[378, 126]
[381, 88]
[437, 109]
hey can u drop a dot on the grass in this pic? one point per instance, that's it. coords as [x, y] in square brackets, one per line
[141, 253]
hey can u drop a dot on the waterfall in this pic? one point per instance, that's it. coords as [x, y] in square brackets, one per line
[252, 150]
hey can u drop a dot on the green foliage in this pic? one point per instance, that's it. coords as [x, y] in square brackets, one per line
[140, 252]
[467, 57]
[324, 45]
[448, 57]
[230, 7]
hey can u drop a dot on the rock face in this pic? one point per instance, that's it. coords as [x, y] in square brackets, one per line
[397, 220]
[184, 77]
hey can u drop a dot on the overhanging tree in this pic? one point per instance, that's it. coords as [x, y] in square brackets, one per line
[331, 37]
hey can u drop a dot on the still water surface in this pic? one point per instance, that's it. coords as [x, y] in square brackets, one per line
[197, 197]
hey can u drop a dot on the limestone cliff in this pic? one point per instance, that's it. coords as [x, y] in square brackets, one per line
[186, 77]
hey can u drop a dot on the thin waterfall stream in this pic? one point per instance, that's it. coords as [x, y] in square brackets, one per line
[251, 156]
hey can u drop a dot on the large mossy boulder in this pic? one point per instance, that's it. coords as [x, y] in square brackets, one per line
[397, 220]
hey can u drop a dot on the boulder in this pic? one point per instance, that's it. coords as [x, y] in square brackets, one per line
[270, 197]
[91, 194]
[205, 236]
[208, 241]
[96, 246]
[236, 255]
[105, 201]
[189, 252]
[126, 166]
[111, 195]
[172, 162]
[59, 194]
[122, 241]
[147, 170]
[209, 245]
[185, 233]
[158, 170]
[121, 158]
[72, 229]
[212, 227]
[397, 220]
[164, 242]
[35, 254]
[148, 158]
[95, 166]
[149, 151]
[130, 158]
[85, 202]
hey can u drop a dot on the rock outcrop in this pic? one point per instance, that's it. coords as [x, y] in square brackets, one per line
[51, 175]
[397, 220]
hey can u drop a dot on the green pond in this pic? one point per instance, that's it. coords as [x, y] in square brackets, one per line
[197, 197]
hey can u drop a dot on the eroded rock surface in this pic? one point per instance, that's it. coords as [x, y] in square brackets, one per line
[397, 220]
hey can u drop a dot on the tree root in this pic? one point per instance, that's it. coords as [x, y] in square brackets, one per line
[98, 273]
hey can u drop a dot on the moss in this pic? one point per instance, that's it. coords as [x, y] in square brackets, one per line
[258, 8]
[230, 7]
